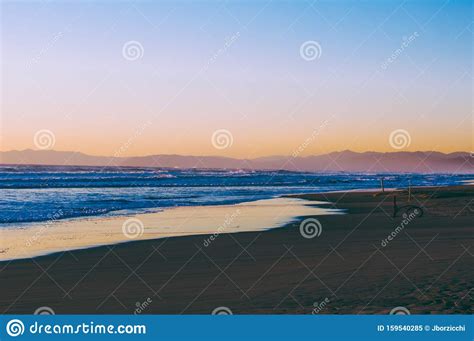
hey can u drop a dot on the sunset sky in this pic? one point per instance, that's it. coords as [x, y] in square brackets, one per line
[239, 66]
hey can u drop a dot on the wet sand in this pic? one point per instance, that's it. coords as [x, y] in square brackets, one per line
[32, 240]
[426, 267]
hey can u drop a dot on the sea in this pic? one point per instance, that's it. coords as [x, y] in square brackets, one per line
[43, 193]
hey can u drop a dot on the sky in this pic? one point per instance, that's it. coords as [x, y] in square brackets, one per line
[236, 78]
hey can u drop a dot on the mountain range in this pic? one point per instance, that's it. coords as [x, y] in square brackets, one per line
[344, 161]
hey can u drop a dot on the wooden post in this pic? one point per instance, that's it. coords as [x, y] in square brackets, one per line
[381, 185]
[409, 190]
[394, 206]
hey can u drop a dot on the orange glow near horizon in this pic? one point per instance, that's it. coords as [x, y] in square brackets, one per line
[202, 72]
[244, 145]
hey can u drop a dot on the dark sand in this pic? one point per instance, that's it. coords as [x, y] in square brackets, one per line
[427, 268]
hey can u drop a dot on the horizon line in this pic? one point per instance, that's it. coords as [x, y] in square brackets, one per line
[238, 158]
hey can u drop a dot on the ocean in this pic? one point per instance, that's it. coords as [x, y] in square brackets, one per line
[42, 193]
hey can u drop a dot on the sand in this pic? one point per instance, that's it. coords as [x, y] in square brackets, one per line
[427, 267]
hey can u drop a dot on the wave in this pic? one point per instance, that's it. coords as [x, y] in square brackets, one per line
[36, 193]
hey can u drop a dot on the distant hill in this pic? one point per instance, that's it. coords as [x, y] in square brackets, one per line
[345, 161]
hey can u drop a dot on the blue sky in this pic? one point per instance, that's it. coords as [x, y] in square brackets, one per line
[64, 71]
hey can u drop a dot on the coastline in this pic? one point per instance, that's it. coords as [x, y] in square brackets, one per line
[426, 268]
[39, 239]
[26, 240]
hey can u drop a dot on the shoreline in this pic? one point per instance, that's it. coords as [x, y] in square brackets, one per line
[426, 268]
[81, 223]
[41, 239]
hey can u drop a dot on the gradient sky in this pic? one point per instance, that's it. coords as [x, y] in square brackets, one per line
[63, 70]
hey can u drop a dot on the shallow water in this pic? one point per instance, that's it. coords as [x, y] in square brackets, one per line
[35, 239]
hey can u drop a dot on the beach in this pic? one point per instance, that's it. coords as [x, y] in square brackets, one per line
[366, 261]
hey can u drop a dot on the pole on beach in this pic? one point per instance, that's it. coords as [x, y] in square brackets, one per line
[394, 206]
[409, 190]
[381, 185]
